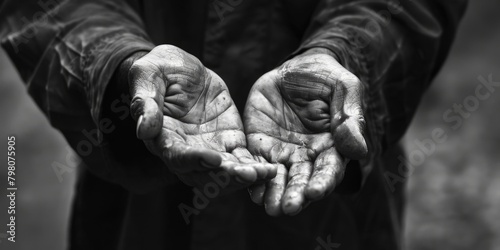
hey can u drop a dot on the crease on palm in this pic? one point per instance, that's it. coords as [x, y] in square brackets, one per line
[200, 121]
[285, 129]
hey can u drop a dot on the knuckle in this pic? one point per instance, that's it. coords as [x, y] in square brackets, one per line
[351, 80]
[167, 47]
[140, 69]
[136, 69]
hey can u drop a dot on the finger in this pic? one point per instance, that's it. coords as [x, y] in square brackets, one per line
[293, 199]
[249, 173]
[257, 192]
[262, 168]
[147, 99]
[243, 155]
[328, 171]
[184, 158]
[271, 168]
[348, 122]
[243, 174]
[275, 189]
[271, 148]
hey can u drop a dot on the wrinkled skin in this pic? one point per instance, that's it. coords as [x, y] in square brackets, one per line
[186, 117]
[306, 115]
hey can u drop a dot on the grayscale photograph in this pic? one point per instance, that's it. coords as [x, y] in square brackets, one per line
[250, 124]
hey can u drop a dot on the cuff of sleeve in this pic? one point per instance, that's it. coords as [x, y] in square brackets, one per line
[102, 61]
[346, 50]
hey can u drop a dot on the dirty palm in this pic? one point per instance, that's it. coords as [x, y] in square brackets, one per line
[306, 115]
[187, 118]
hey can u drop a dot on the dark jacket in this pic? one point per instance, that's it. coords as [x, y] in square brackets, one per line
[67, 53]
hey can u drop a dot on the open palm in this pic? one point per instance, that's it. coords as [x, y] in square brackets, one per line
[307, 115]
[187, 118]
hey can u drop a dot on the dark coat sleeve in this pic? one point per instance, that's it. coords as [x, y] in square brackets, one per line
[66, 52]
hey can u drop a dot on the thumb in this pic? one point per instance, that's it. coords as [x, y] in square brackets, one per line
[147, 100]
[348, 122]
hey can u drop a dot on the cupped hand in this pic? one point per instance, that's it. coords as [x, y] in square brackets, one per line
[186, 117]
[306, 115]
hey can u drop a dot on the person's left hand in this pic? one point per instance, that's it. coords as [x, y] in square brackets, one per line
[307, 115]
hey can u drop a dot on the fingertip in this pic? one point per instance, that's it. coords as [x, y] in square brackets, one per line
[256, 199]
[210, 159]
[292, 204]
[272, 171]
[296, 211]
[260, 169]
[257, 193]
[314, 191]
[273, 210]
[266, 171]
[291, 208]
[349, 141]
[352, 148]
[150, 121]
[246, 174]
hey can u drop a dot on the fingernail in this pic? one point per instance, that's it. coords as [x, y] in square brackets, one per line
[207, 165]
[138, 127]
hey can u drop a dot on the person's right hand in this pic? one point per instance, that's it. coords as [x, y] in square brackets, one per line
[186, 117]
[307, 115]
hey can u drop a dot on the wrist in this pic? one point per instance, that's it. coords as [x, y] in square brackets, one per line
[121, 73]
[117, 93]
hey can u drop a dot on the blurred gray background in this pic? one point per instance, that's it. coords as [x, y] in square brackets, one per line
[453, 197]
